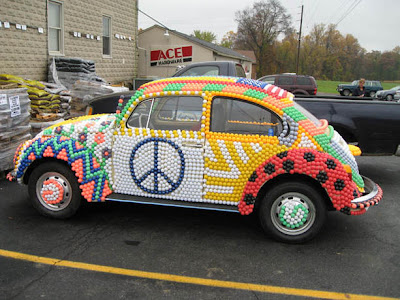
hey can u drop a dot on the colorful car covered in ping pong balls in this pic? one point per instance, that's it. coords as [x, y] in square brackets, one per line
[217, 143]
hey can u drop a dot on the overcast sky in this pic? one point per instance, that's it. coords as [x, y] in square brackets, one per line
[374, 23]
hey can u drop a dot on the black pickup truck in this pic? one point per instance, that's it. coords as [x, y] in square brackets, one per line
[372, 125]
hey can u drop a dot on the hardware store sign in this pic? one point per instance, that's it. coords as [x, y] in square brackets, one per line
[171, 55]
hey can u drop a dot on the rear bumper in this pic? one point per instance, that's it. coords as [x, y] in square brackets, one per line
[371, 197]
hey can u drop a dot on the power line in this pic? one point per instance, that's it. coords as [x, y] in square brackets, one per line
[153, 19]
[337, 11]
[348, 12]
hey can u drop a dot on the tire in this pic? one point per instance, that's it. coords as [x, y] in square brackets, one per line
[389, 97]
[372, 94]
[283, 197]
[346, 93]
[54, 179]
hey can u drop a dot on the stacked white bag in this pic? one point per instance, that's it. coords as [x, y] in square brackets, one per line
[14, 123]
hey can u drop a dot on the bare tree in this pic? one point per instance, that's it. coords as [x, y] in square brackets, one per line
[259, 28]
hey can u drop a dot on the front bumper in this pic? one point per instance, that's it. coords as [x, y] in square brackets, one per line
[12, 176]
[372, 195]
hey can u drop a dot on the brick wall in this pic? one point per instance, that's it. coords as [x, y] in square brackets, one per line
[25, 53]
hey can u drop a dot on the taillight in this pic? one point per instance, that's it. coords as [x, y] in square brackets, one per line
[315, 91]
[89, 110]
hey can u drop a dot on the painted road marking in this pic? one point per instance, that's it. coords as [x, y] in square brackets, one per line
[190, 280]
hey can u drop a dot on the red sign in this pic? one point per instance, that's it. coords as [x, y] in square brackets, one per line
[171, 56]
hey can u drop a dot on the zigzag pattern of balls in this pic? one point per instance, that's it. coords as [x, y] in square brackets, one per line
[92, 178]
[327, 170]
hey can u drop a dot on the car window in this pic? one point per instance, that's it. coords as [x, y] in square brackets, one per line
[172, 113]
[168, 113]
[355, 82]
[304, 81]
[140, 115]
[268, 79]
[368, 83]
[239, 71]
[201, 71]
[285, 80]
[236, 116]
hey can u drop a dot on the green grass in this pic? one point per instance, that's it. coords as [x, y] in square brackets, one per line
[325, 86]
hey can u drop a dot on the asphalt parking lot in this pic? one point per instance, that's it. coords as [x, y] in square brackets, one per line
[145, 252]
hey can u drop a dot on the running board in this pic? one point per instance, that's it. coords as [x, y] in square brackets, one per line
[173, 203]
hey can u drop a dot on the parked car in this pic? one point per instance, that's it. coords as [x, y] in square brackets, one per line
[296, 84]
[227, 144]
[371, 87]
[397, 96]
[387, 95]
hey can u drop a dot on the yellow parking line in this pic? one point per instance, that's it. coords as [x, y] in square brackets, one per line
[189, 280]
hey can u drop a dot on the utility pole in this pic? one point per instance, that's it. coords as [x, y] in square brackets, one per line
[298, 46]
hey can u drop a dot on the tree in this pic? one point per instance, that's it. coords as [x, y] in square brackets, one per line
[259, 28]
[229, 39]
[207, 36]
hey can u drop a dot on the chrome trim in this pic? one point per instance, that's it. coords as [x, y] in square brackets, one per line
[172, 205]
[370, 187]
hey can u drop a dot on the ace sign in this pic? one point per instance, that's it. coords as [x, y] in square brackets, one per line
[170, 56]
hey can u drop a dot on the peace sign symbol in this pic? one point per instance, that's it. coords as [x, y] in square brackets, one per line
[163, 183]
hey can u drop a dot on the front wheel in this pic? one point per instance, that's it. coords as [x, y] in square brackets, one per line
[54, 190]
[346, 93]
[292, 212]
[389, 97]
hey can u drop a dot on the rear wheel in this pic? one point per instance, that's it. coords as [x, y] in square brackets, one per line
[292, 212]
[372, 94]
[346, 93]
[54, 190]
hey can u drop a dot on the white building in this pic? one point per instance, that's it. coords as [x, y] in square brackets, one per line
[161, 51]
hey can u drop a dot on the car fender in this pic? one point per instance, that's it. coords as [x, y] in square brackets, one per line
[320, 166]
[90, 173]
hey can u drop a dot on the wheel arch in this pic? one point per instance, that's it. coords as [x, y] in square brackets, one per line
[293, 177]
[91, 175]
[319, 169]
[41, 161]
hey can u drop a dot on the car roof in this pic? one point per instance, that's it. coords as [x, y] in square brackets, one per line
[250, 90]
[201, 84]
[287, 74]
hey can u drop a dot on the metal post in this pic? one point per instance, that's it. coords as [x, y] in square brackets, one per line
[298, 47]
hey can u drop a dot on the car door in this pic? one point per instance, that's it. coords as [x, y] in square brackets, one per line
[368, 87]
[160, 153]
[239, 138]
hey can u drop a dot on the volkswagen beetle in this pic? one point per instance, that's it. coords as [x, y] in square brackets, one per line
[217, 143]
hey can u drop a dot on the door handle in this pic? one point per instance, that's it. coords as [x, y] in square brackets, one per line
[192, 144]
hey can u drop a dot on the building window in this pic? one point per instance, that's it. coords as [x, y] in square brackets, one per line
[106, 36]
[55, 21]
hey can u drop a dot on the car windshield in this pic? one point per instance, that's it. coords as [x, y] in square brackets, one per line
[307, 114]
[395, 88]
[355, 82]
